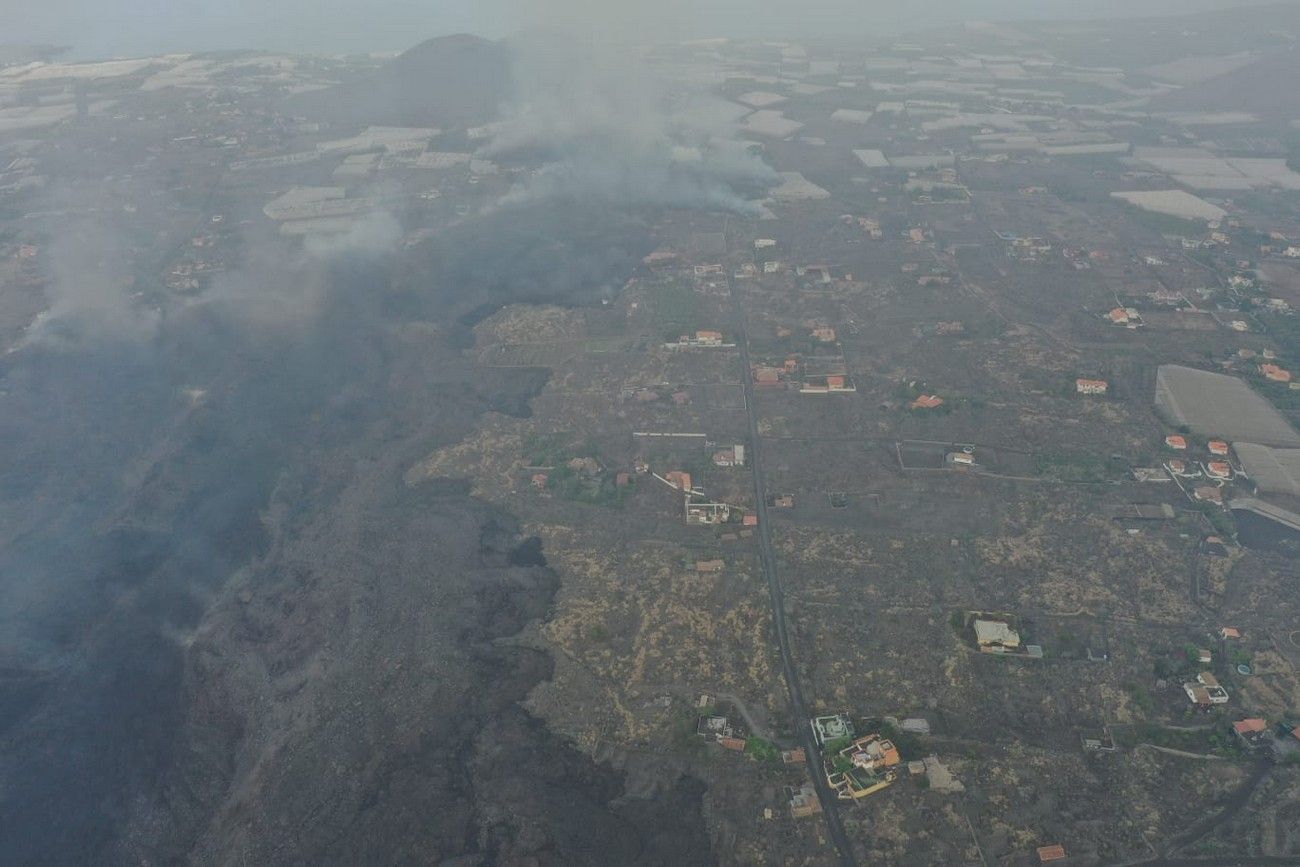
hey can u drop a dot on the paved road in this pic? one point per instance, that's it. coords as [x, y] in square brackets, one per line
[829, 801]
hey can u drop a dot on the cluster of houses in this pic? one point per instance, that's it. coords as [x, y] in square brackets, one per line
[1216, 469]
[699, 509]
[859, 765]
[821, 371]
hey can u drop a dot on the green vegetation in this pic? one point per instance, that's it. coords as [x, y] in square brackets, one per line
[834, 746]
[1140, 696]
[762, 750]
[909, 745]
[676, 309]
[684, 737]
[1076, 467]
[578, 486]
[1070, 645]
[1217, 740]
[1165, 224]
[1220, 519]
[547, 450]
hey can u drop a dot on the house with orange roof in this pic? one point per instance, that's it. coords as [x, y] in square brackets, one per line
[1217, 447]
[1253, 732]
[1050, 853]
[1090, 386]
[862, 768]
[1176, 441]
[1246, 726]
[679, 479]
[1227, 632]
[1219, 469]
[1274, 373]
[927, 401]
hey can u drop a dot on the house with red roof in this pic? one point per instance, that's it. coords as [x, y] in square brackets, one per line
[1274, 373]
[1090, 386]
[927, 401]
[1219, 469]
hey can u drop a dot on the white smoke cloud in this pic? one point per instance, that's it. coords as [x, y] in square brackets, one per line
[375, 232]
[607, 129]
[89, 285]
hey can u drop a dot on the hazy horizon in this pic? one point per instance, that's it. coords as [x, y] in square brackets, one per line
[115, 28]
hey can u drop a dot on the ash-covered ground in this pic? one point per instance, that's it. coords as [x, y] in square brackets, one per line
[238, 637]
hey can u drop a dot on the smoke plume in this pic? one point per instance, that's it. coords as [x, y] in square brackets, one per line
[604, 129]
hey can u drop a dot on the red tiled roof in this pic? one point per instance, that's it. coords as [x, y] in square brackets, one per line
[1051, 853]
[1275, 373]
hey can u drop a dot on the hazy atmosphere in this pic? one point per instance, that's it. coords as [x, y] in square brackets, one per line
[579, 433]
[126, 27]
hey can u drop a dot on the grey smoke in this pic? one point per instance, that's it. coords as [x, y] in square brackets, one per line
[609, 131]
[375, 232]
[90, 289]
